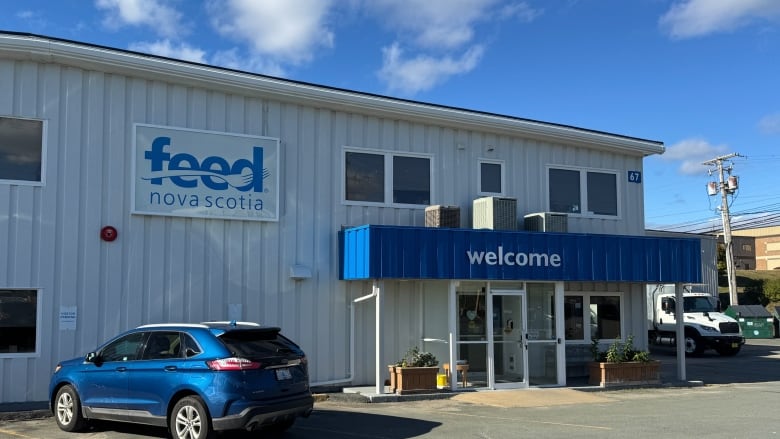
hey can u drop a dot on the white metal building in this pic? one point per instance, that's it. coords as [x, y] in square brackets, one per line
[136, 189]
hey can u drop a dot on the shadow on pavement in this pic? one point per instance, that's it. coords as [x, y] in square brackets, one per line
[326, 424]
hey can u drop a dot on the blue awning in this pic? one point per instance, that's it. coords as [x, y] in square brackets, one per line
[399, 252]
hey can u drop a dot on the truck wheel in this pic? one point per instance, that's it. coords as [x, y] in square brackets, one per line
[693, 344]
[728, 351]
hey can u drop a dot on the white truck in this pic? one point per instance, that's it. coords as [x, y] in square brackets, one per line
[705, 325]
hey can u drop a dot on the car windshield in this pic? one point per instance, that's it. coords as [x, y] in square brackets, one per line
[699, 304]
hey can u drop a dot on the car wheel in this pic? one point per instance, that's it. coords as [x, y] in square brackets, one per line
[190, 420]
[67, 410]
[693, 345]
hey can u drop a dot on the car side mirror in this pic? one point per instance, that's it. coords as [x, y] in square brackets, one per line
[667, 305]
[94, 358]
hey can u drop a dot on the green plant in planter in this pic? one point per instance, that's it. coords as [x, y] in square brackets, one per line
[617, 353]
[416, 358]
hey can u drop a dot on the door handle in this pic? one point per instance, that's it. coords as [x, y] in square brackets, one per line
[121, 369]
[170, 368]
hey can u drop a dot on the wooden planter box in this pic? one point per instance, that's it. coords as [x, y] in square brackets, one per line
[406, 380]
[625, 374]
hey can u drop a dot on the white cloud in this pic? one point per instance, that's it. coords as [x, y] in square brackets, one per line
[443, 24]
[770, 124]
[691, 153]
[412, 75]
[693, 18]
[170, 50]
[286, 30]
[441, 36]
[154, 14]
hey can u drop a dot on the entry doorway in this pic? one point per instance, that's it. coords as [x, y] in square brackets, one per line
[510, 359]
[516, 346]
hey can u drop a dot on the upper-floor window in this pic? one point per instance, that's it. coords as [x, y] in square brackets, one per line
[491, 177]
[587, 192]
[18, 321]
[387, 178]
[21, 149]
[747, 247]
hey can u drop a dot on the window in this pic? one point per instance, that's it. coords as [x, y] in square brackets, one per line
[123, 349]
[21, 149]
[386, 178]
[747, 248]
[603, 314]
[18, 321]
[163, 345]
[411, 180]
[583, 192]
[491, 177]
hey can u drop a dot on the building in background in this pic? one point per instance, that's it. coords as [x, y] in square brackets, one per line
[766, 246]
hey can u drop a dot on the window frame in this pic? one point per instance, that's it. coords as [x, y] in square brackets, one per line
[388, 177]
[44, 131]
[38, 325]
[583, 195]
[502, 165]
[586, 301]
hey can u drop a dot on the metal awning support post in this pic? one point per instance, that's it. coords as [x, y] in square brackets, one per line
[380, 300]
[679, 316]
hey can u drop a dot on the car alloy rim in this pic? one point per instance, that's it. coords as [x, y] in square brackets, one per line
[188, 423]
[65, 408]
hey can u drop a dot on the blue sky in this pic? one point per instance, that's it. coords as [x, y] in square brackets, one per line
[702, 76]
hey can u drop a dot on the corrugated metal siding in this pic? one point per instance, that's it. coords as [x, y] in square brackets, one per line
[167, 269]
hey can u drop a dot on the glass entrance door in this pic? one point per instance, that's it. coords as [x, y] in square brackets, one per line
[510, 365]
[542, 339]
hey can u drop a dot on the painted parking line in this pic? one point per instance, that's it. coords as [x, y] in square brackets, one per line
[14, 434]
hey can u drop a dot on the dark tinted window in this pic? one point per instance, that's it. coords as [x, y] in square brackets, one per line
[602, 193]
[162, 345]
[365, 177]
[189, 347]
[411, 180]
[18, 309]
[123, 349]
[258, 343]
[21, 149]
[564, 191]
[490, 178]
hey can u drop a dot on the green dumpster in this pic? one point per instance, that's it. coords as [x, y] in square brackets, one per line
[755, 320]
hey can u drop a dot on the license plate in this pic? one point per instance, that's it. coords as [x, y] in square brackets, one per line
[734, 345]
[283, 374]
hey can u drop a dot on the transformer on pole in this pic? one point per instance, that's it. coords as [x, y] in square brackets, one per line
[725, 186]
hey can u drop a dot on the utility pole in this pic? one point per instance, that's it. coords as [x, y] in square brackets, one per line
[726, 188]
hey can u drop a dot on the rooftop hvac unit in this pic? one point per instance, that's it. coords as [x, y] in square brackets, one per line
[546, 222]
[496, 213]
[442, 216]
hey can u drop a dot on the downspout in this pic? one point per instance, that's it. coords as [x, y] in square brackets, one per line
[348, 378]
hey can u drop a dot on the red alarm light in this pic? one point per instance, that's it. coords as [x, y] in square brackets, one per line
[108, 233]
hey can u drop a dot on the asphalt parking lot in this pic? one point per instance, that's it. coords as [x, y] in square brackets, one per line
[737, 398]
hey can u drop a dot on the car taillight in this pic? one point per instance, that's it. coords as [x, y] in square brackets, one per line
[233, 363]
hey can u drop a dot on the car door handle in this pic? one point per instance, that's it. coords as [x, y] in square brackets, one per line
[121, 369]
[170, 368]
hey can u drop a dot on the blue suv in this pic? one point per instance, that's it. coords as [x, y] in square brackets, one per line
[194, 379]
